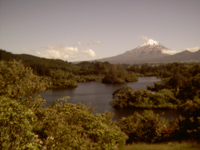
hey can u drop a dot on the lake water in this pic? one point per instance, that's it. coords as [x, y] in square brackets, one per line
[99, 95]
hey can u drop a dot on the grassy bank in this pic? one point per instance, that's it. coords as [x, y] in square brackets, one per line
[163, 146]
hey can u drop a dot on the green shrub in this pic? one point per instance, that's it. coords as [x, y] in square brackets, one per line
[71, 126]
[148, 127]
[131, 77]
[16, 81]
[188, 124]
[16, 126]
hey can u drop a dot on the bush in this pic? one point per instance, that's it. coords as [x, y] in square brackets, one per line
[148, 127]
[72, 126]
[16, 126]
[127, 97]
[16, 81]
[188, 124]
[131, 77]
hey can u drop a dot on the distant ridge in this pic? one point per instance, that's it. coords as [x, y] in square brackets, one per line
[183, 56]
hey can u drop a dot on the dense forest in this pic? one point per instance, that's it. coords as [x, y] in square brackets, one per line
[26, 124]
[62, 74]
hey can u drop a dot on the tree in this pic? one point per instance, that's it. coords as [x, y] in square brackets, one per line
[18, 82]
[131, 77]
[147, 127]
[16, 126]
[115, 74]
[122, 96]
[71, 126]
[177, 80]
[187, 127]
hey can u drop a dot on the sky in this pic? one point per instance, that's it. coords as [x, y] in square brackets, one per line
[82, 30]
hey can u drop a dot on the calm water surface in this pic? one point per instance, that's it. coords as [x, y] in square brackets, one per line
[99, 94]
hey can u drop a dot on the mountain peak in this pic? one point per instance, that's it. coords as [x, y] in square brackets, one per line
[152, 52]
[150, 42]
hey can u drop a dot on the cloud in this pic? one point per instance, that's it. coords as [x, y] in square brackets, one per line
[193, 49]
[144, 38]
[89, 53]
[65, 53]
[89, 43]
[172, 52]
[71, 50]
[55, 54]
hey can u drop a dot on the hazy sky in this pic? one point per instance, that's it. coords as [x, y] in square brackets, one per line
[78, 30]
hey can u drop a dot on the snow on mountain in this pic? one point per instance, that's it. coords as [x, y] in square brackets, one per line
[150, 47]
[150, 42]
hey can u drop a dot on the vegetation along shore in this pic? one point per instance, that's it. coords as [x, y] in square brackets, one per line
[26, 124]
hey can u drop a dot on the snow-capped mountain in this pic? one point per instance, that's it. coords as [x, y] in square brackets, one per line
[150, 47]
[151, 52]
[150, 42]
[146, 52]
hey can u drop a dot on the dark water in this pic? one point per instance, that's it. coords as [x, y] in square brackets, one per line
[99, 94]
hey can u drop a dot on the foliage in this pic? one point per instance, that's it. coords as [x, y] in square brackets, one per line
[156, 87]
[190, 89]
[25, 124]
[127, 97]
[70, 126]
[163, 146]
[188, 124]
[177, 80]
[131, 77]
[165, 96]
[118, 74]
[16, 126]
[148, 127]
[61, 79]
[18, 82]
[115, 74]
[66, 75]
[87, 78]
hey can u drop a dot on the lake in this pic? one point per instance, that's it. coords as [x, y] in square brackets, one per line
[99, 95]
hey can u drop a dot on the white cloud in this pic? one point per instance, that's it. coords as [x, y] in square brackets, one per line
[55, 54]
[89, 43]
[71, 50]
[193, 49]
[89, 53]
[144, 38]
[172, 52]
[65, 53]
